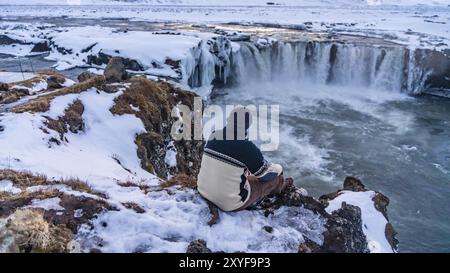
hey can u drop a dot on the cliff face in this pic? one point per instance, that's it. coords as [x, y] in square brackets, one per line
[133, 189]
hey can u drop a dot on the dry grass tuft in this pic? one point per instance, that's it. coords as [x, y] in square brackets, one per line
[25, 179]
[181, 179]
[141, 186]
[71, 120]
[27, 231]
[42, 103]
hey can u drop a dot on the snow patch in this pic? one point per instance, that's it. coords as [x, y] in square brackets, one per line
[174, 218]
[8, 186]
[47, 204]
[9, 77]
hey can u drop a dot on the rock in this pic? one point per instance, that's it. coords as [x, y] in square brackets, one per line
[41, 47]
[198, 246]
[86, 75]
[6, 40]
[55, 82]
[151, 151]
[269, 229]
[353, 184]
[21, 91]
[390, 234]
[113, 88]
[134, 206]
[292, 197]
[344, 232]
[173, 63]
[3, 87]
[115, 70]
[308, 246]
[381, 202]
[103, 58]
[99, 59]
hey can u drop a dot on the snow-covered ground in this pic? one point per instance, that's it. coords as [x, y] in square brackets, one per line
[232, 2]
[172, 219]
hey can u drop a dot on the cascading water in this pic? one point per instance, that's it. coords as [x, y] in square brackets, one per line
[380, 67]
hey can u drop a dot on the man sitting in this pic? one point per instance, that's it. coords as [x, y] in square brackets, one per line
[234, 174]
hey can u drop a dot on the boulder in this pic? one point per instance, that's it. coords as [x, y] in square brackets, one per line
[21, 91]
[55, 82]
[3, 87]
[115, 70]
[353, 184]
[41, 47]
[198, 246]
[84, 76]
[103, 58]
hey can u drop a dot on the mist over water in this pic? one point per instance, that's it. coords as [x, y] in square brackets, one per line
[395, 143]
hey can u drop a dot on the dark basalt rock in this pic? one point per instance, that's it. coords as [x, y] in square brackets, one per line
[198, 246]
[3, 87]
[344, 232]
[291, 197]
[6, 40]
[102, 59]
[41, 47]
[344, 226]
[353, 184]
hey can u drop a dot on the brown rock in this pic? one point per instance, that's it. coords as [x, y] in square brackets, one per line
[198, 246]
[115, 70]
[86, 75]
[55, 82]
[353, 184]
[134, 206]
[390, 234]
[381, 202]
[3, 87]
[308, 246]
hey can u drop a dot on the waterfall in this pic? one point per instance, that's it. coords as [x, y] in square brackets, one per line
[207, 64]
[388, 67]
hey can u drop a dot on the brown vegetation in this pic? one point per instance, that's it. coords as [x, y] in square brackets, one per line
[42, 103]
[25, 179]
[72, 120]
[155, 101]
[38, 230]
[182, 180]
